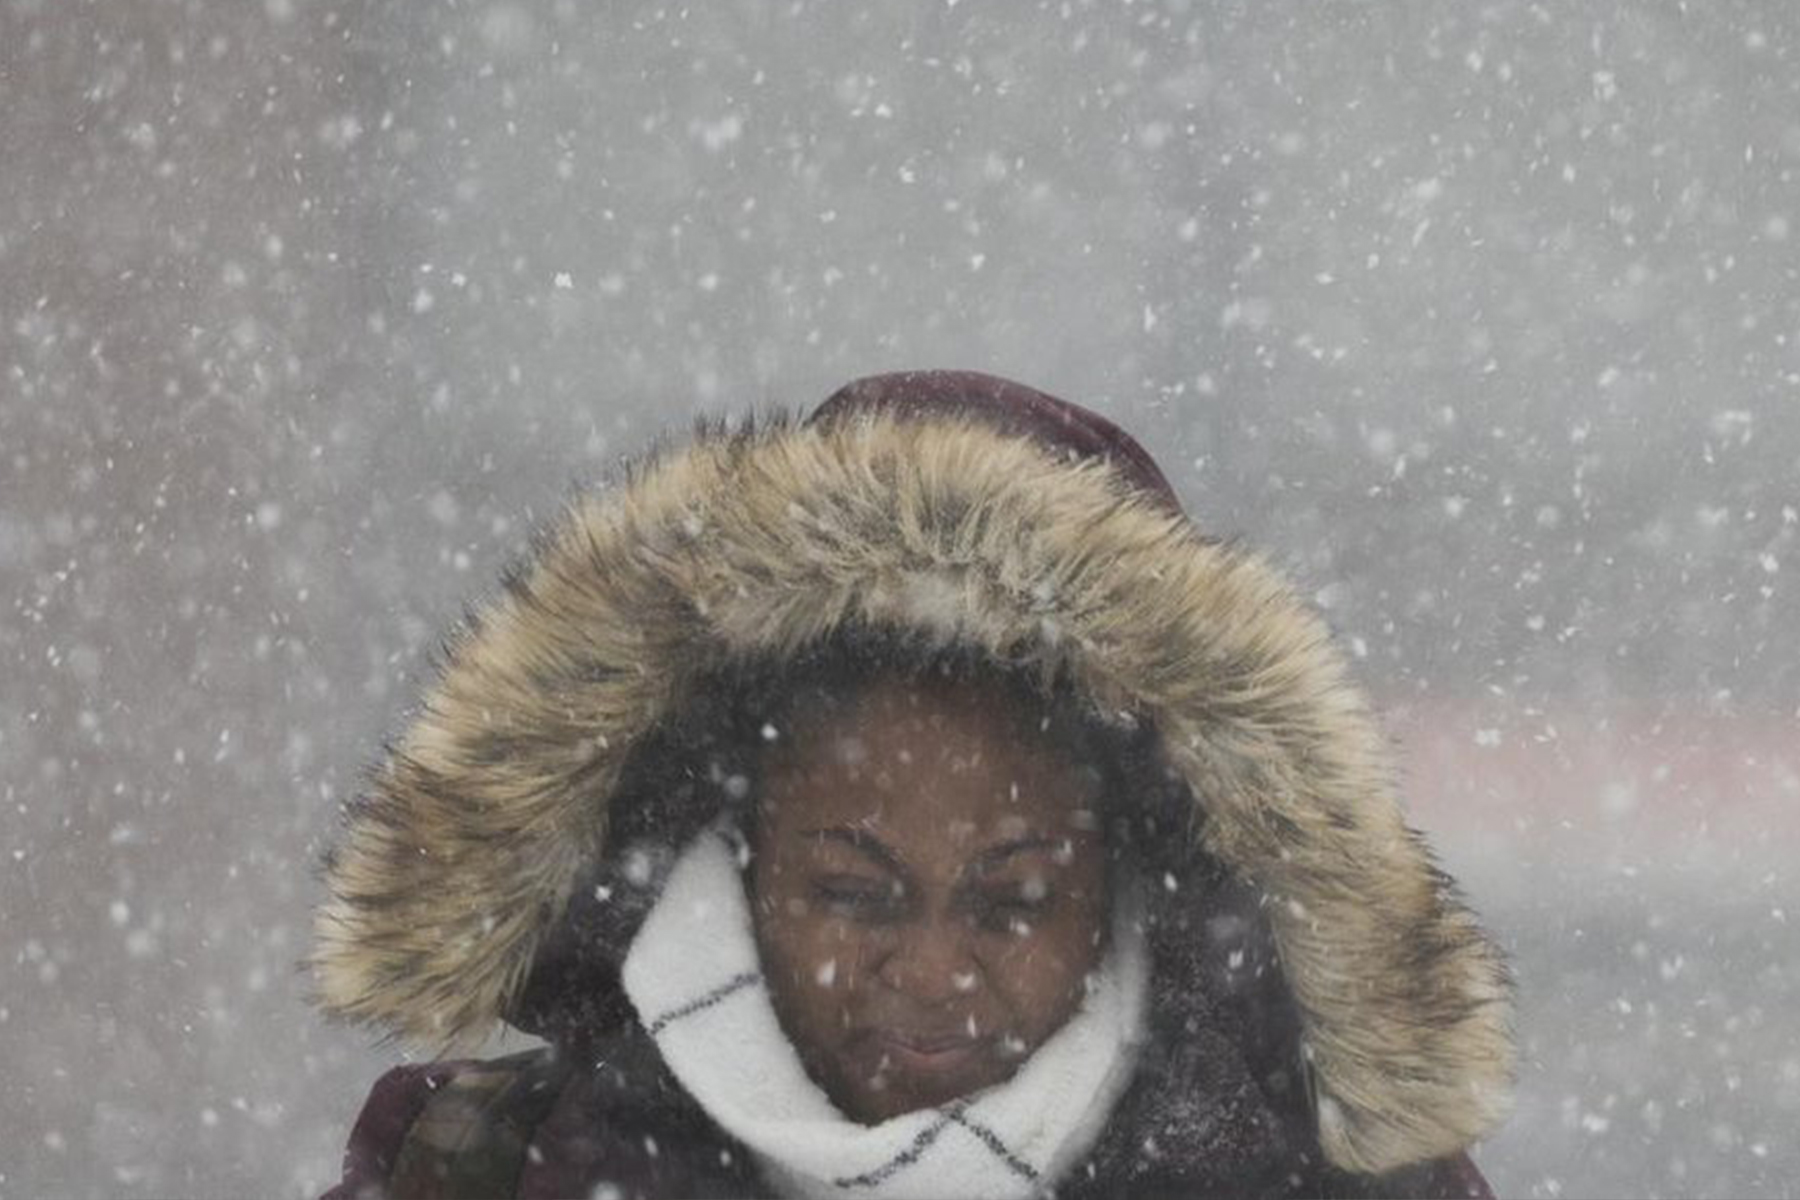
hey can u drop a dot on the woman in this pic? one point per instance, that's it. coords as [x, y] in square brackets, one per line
[906, 802]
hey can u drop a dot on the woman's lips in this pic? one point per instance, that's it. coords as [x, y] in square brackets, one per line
[928, 1054]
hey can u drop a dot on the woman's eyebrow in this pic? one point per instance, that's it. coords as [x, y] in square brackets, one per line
[863, 840]
[995, 854]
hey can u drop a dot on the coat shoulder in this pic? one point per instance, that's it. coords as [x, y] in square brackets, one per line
[426, 1122]
[537, 1124]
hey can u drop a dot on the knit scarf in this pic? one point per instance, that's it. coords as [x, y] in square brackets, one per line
[694, 976]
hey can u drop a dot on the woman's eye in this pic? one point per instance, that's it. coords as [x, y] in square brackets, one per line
[858, 901]
[1011, 912]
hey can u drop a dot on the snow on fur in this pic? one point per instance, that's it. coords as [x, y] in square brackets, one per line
[746, 544]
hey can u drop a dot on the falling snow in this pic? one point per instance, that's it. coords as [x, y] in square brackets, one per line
[1481, 321]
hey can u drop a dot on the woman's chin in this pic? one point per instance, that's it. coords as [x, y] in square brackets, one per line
[905, 1079]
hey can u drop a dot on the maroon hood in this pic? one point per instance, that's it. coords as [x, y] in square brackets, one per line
[1007, 406]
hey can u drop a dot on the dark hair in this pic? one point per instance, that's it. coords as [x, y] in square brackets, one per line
[709, 760]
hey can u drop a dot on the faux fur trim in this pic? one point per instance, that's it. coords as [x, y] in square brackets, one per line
[462, 855]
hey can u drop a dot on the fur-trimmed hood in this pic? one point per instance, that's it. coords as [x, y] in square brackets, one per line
[759, 542]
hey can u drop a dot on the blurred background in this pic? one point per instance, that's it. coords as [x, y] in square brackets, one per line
[1482, 320]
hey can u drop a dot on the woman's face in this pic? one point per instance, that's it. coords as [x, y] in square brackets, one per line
[929, 890]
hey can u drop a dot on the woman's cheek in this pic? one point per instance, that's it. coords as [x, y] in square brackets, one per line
[1028, 958]
[1045, 969]
[825, 956]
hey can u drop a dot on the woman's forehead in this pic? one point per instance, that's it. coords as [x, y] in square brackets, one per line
[896, 822]
[888, 730]
[928, 766]
[921, 805]
[905, 719]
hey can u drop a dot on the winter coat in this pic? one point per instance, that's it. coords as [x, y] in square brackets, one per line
[1327, 1016]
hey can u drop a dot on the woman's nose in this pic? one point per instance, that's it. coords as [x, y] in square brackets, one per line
[931, 962]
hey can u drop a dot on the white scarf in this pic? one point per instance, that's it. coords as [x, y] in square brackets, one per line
[695, 978]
